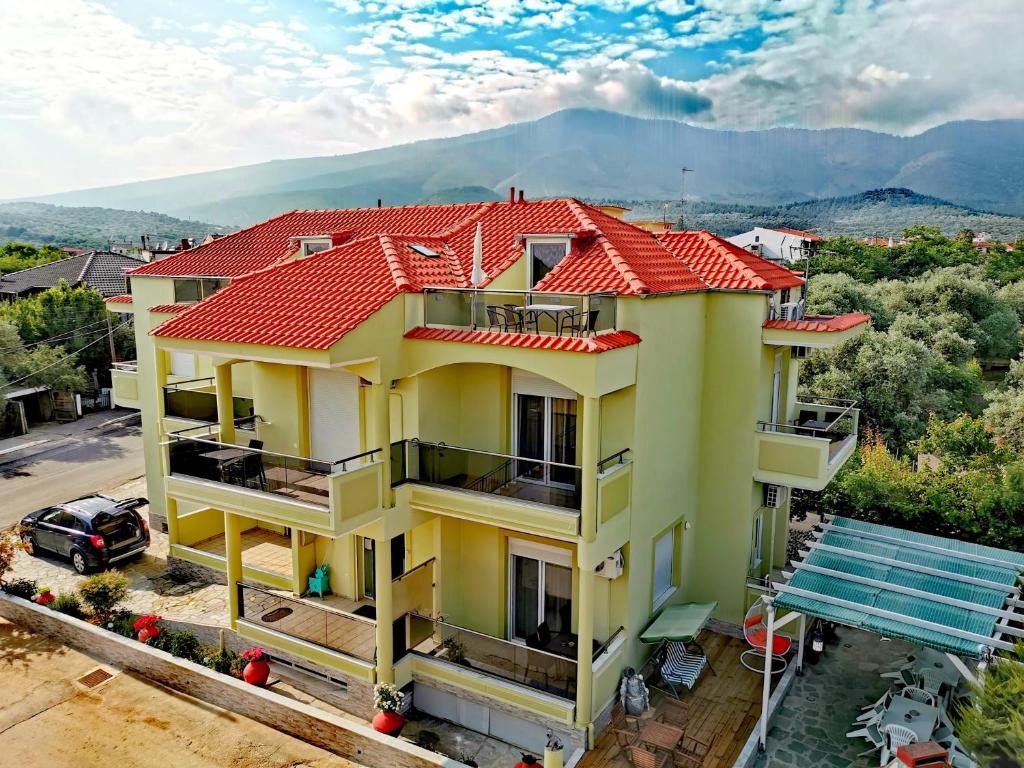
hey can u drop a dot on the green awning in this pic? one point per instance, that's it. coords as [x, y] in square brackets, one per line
[942, 593]
[681, 623]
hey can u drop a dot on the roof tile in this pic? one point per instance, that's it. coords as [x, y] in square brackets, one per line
[820, 323]
[592, 344]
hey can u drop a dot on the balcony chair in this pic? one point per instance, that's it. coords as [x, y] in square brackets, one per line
[504, 319]
[755, 632]
[904, 676]
[691, 751]
[681, 667]
[320, 581]
[248, 472]
[543, 663]
[642, 758]
[579, 323]
[918, 694]
[874, 712]
[872, 734]
[896, 736]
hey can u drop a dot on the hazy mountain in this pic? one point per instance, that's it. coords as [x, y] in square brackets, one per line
[594, 153]
[92, 227]
[883, 212]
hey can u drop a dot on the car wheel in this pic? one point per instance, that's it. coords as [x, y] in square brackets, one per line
[78, 562]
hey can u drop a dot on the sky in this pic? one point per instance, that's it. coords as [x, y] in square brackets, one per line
[101, 92]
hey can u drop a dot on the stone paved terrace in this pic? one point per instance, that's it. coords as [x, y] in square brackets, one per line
[811, 725]
[151, 589]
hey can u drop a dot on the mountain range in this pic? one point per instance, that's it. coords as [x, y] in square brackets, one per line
[593, 153]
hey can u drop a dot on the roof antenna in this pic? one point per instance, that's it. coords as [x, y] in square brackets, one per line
[682, 199]
[378, 202]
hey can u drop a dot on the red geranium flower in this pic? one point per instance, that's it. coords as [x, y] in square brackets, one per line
[148, 620]
[253, 654]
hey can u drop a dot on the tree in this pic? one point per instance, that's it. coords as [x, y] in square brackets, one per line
[41, 365]
[17, 256]
[991, 726]
[1005, 413]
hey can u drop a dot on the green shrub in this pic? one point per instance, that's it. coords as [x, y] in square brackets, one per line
[121, 623]
[226, 662]
[69, 603]
[103, 592]
[181, 643]
[23, 588]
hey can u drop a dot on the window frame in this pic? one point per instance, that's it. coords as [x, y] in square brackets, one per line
[552, 240]
[676, 532]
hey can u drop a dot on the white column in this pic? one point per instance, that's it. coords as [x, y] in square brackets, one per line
[800, 649]
[766, 691]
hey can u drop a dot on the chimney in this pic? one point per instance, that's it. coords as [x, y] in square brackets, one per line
[521, 200]
[185, 244]
[511, 195]
[378, 202]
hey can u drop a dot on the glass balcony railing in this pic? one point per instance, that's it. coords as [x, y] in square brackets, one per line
[196, 399]
[825, 417]
[560, 314]
[466, 469]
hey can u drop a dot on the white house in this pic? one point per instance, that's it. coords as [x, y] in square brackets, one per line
[779, 245]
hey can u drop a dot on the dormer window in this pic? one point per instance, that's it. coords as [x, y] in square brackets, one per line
[311, 245]
[544, 254]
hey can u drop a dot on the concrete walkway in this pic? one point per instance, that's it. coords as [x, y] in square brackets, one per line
[47, 436]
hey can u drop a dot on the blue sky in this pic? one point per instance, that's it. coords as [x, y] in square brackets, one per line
[94, 92]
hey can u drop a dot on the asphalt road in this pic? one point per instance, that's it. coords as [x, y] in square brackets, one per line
[81, 465]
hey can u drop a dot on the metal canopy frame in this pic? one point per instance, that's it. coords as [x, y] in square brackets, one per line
[1009, 611]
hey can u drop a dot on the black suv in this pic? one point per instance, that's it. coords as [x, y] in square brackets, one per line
[94, 531]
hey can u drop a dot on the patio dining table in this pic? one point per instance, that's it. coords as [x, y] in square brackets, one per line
[551, 310]
[662, 735]
[919, 717]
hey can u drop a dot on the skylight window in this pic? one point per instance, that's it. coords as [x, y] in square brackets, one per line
[422, 250]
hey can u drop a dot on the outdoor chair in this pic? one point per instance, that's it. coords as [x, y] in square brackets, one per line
[579, 323]
[873, 712]
[904, 676]
[320, 582]
[871, 733]
[681, 667]
[248, 471]
[675, 712]
[896, 736]
[918, 694]
[755, 632]
[256, 444]
[691, 751]
[543, 663]
[625, 738]
[641, 758]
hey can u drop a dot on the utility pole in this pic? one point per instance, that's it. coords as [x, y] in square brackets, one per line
[682, 199]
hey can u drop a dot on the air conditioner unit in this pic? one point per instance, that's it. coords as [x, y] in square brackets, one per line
[791, 310]
[775, 496]
[755, 248]
[612, 566]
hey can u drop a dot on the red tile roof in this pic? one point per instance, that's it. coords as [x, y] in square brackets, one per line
[724, 265]
[820, 323]
[312, 302]
[124, 298]
[601, 343]
[800, 233]
[170, 309]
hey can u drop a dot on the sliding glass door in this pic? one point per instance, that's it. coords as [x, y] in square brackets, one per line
[540, 590]
[545, 429]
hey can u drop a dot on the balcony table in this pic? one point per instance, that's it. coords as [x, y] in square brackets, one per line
[564, 644]
[551, 310]
[919, 717]
[224, 454]
[661, 735]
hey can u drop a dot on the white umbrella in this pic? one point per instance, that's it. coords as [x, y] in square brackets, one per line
[478, 276]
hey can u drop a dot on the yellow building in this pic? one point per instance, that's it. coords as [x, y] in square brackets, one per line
[504, 482]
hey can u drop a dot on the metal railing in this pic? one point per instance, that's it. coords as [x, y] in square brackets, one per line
[132, 366]
[828, 417]
[559, 314]
[467, 648]
[321, 625]
[615, 458]
[298, 478]
[603, 648]
[468, 469]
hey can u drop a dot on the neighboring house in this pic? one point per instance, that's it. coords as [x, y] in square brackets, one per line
[780, 244]
[100, 270]
[501, 507]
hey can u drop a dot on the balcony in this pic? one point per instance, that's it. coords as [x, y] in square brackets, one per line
[196, 400]
[320, 496]
[550, 314]
[124, 380]
[808, 452]
[316, 631]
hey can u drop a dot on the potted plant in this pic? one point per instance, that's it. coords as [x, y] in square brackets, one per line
[387, 700]
[45, 596]
[257, 670]
[146, 628]
[527, 761]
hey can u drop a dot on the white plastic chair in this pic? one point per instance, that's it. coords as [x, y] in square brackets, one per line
[896, 736]
[918, 694]
[876, 710]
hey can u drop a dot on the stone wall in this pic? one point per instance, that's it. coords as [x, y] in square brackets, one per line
[343, 737]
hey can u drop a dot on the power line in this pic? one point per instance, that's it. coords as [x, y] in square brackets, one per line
[68, 333]
[63, 359]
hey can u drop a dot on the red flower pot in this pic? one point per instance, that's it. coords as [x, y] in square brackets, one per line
[388, 723]
[256, 672]
[148, 633]
[45, 598]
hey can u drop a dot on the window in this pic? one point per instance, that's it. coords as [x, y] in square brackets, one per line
[183, 364]
[544, 257]
[314, 246]
[757, 542]
[665, 576]
[191, 290]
